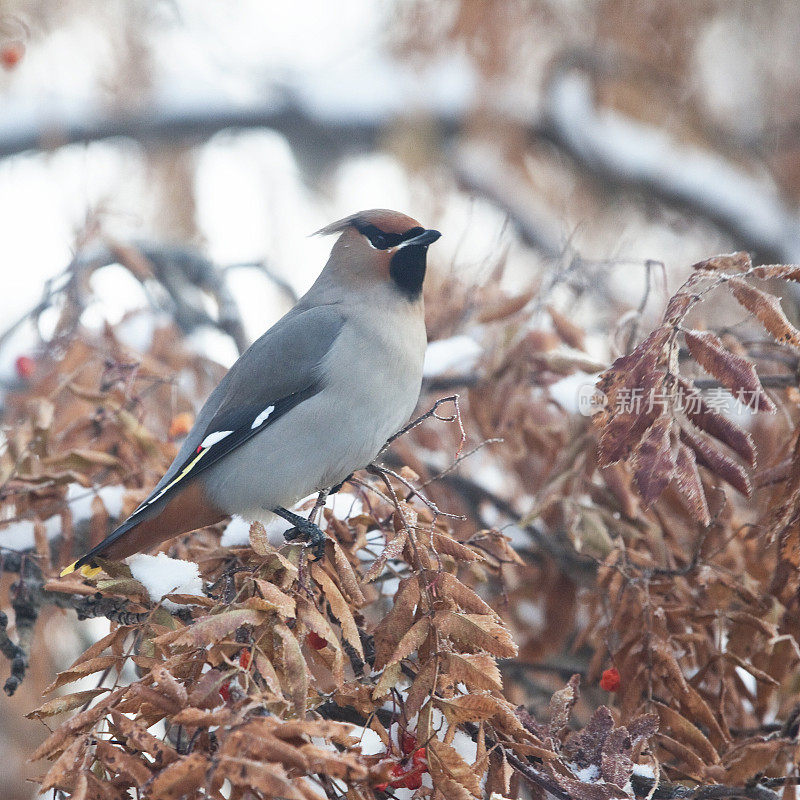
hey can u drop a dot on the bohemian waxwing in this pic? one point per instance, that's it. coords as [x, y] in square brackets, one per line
[312, 400]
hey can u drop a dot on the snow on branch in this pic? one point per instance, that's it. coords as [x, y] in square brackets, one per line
[632, 154]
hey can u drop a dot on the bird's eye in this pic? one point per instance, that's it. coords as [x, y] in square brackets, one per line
[379, 239]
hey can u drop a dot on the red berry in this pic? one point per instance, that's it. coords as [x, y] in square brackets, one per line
[408, 742]
[11, 54]
[316, 641]
[244, 659]
[420, 757]
[411, 780]
[25, 367]
[397, 770]
[381, 787]
[610, 680]
[225, 691]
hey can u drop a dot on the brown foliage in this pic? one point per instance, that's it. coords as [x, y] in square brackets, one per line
[642, 544]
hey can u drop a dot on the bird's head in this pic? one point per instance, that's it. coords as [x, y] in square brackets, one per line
[383, 245]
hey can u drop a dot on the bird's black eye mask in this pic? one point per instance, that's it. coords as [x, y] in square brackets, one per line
[381, 240]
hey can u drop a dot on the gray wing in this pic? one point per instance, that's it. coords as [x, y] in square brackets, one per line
[279, 370]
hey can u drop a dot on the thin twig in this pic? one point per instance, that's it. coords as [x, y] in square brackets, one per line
[431, 412]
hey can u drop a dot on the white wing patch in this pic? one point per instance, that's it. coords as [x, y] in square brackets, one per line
[262, 417]
[213, 438]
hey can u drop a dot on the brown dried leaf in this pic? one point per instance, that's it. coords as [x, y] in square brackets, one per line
[340, 609]
[583, 790]
[734, 372]
[642, 728]
[449, 770]
[98, 664]
[412, 640]
[616, 765]
[635, 370]
[757, 673]
[279, 600]
[468, 708]
[212, 628]
[294, 669]
[711, 457]
[79, 722]
[82, 460]
[504, 307]
[749, 759]
[477, 631]
[120, 762]
[60, 775]
[205, 691]
[677, 306]
[692, 764]
[395, 624]
[686, 732]
[788, 272]
[256, 740]
[388, 680]
[474, 671]
[654, 460]
[180, 778]
[347, 577]
[421, 688]
[561, 704]
[739, 262]
[139, 738]
[768, 311]
[447, 546]
[259, 540]
[689, 485]
[567, 330]
[344, 766]
[621, 434]
[451, 587]
[586, 748]
[717, 425]
[391, 551]
[69, 702]
[258, 776]
[169, 684]
[200, 718]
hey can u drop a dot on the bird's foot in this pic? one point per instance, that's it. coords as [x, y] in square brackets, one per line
[303, 529]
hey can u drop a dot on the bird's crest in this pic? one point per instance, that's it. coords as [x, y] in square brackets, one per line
[382, 218]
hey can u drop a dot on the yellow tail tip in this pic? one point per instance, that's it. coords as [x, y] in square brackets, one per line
[87, 570]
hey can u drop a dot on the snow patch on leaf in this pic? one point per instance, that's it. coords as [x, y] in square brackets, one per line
[162, 575]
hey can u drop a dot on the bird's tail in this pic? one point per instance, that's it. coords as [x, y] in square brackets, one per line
[87, 564]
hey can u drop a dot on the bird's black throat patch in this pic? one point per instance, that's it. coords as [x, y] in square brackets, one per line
[407, 269]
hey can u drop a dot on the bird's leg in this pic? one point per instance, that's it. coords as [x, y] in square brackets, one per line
[303, 527]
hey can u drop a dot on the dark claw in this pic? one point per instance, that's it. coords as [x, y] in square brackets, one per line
[304, 529]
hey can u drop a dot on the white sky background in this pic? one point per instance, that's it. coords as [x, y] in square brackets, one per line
[251, 202]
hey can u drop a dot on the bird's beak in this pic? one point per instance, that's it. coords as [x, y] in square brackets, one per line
[422, 240]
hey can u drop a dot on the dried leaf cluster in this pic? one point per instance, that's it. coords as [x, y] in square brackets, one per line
[425, 655]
